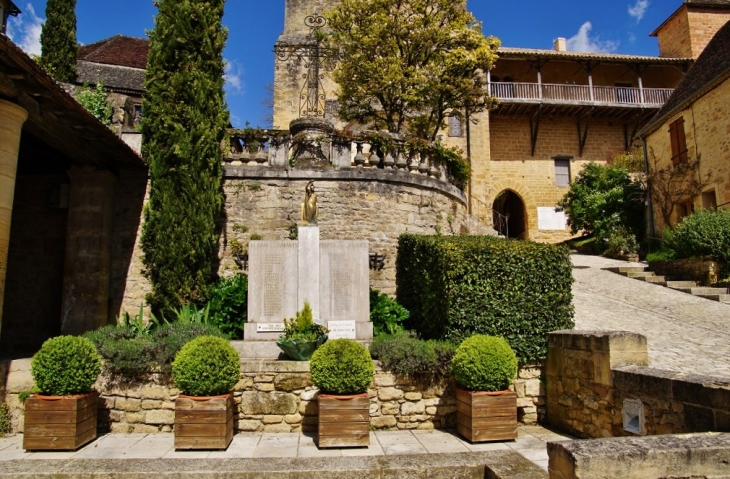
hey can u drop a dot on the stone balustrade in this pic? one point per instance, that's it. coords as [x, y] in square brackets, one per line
[330, 150]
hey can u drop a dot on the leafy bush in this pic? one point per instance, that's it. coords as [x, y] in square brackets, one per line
[603, 198]
[484, 363]
[403, 353]
[4, 419]
[342, 366]
[131, 352]
[229, 305]
[703, 233]
[206, 366]
[303, 327]
[455, 287]
[95, 102]
[621, 242]
[386, 314]
[661, 255]
[65, 365]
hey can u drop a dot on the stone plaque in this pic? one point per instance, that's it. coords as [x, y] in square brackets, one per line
[550, 220]
[270, 328]
[272, 280]
[344, 293]
[342, 329]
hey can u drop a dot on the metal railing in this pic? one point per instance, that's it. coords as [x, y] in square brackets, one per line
[580, 93]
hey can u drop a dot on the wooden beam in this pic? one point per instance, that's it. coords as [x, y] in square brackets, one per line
[583, 130]
[535, 128]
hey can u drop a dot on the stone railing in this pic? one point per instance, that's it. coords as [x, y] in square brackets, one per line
[324, 149]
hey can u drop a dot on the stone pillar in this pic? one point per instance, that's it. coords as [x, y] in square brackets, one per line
[12, 118]
[308, 287]
[87, 272]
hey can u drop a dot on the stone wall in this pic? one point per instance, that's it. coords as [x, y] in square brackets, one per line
[590, 373]
[686, 269]
[278, 396]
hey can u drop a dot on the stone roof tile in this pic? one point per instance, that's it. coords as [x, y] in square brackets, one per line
[117, 50]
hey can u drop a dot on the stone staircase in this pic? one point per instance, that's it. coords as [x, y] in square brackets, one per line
[641, 273]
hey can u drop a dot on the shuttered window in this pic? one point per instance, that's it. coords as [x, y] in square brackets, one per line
[679, 142]
[562, 172]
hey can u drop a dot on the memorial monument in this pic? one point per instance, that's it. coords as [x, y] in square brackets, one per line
[332, 275]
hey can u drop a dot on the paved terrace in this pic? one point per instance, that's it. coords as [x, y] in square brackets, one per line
[684, 333]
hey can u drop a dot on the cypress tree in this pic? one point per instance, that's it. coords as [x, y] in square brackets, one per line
[185, 117]
[58, 40]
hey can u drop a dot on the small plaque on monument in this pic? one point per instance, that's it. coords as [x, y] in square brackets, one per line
[342, 329]
[270, 327]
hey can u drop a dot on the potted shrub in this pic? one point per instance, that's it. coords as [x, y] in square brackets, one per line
[302, 336]
[342, 369]
[484, 367]
[205, 371]
[62, 415]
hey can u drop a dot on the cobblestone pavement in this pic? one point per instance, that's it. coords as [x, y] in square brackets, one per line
[684, 333]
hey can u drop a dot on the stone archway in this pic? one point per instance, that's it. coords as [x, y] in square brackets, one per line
[510, 215]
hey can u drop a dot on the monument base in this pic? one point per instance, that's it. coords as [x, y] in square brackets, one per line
[363, 331]
[267, 350]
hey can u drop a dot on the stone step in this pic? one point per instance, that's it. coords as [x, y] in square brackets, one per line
[723, 298]
[681, 284]
[266, 349]
[660, 280]
[627, 269]
[700, 291]
[642, 274]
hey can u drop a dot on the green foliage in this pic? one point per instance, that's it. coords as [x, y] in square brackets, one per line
[403, 353]
[65, 365]
[256, 237]
[342, 366]
[183, 126]
[4, 419]
[229, 305]
[484, 363]
[408, 64]
[621, 242]
[661, 255]
[23, 395]
[631, 161]
[138, 324]
[130, 352]
[602, 199]
[206, 366]
[58, 40]
[386, 314]
[191, 313]
[95, 101]
[457, 286]
[703, 233]
[303, 327]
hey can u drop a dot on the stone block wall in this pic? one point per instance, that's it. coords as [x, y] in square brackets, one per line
[686, 269]
[278, 396]
[589, 374]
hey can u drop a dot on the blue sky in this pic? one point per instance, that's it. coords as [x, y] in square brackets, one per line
[620, 26]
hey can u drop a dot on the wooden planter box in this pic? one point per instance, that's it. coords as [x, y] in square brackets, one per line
[344, 421]
[59, 423]
[204, 422]
[486, 416]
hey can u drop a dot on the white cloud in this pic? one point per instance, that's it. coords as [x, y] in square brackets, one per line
[639, 9]
[584, 42]
[25, 30]
[234, 77]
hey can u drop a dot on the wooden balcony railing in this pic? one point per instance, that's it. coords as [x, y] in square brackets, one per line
[568, 93]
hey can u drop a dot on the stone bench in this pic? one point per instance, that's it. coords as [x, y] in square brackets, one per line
[700, 456]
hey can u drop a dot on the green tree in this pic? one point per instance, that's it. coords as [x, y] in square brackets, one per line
[94, 100]
[185, 117]
[604, 199]
[407, 64]
[58, 40]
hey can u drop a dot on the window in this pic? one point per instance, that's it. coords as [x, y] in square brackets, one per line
[679, 142]
[685, 209]
[562, 171]
[455, 125]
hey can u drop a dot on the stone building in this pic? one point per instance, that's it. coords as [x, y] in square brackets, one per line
[71, 195]
[557, 111]
[689, 139]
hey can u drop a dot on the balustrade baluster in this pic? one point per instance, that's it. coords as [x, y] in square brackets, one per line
[359, 157]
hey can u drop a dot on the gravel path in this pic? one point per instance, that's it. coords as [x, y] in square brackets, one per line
[684, 333]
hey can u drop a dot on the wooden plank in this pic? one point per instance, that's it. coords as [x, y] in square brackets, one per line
[474, 423]
[34, 403]
[332, 402]
[49, 443]
[343, 428]
[202, 430]
[211, 404]
[358, 440]
[62, 429]
[345, 415]
[85, 437]
[203, 417]
[487, 411]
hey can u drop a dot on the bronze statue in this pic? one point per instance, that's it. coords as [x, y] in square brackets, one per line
[309, 207]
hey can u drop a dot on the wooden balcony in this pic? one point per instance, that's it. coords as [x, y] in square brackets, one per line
[616, 101]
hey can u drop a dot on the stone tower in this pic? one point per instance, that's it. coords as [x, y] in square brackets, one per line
[301, 84]
[691, 27]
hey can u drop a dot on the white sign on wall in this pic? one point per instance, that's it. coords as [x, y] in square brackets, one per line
[342, 329]
[270, 327]
[550, 220]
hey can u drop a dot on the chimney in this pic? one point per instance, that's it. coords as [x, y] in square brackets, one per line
[561, 44]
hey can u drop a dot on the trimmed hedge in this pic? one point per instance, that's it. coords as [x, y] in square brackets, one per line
[458, 286]
[484, 363]
[206, 366]
[703, 233]
[65, 365]
[342, 366]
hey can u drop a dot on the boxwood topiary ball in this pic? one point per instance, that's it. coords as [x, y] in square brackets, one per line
[342, 366]
[206, 366]
[65, 365]
[484, 363]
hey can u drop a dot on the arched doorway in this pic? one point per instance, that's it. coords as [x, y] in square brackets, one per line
[509, 216]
